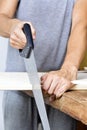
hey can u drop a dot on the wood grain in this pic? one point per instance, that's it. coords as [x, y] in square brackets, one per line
[73, 103]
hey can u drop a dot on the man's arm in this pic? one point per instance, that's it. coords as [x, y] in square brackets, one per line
[77, 43]
[11, 27]
[7, 11]
[57, 82]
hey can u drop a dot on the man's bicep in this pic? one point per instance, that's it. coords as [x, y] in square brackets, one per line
[8, 7]
[79, 13]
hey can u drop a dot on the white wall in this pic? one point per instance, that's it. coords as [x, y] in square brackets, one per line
[3, 52]
[1, 116]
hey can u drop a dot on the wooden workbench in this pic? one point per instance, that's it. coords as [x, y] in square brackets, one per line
[73, 103]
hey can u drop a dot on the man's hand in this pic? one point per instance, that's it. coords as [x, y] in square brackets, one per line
[57, 82]
[17, 37]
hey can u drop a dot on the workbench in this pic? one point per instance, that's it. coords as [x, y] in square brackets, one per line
[73, 102]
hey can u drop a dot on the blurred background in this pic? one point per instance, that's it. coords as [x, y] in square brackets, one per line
[3, 53]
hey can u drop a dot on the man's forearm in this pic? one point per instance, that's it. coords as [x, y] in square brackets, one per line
[6, 25]
[77, 43]
[76, 46]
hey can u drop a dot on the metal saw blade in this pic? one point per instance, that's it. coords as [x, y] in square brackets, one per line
[36, 88]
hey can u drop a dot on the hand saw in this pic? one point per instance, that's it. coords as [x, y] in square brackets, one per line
[31, 68]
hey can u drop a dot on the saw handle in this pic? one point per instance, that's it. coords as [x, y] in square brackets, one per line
[26, 51]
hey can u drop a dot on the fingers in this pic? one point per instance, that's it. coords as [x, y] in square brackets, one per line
[43, 78]
[47, 83]
[33, 31]
[32, 28]
[55, 85]
[61, 87]
[52, 98]
[17, 38]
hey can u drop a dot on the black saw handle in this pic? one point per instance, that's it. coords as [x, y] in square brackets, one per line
[26, 51]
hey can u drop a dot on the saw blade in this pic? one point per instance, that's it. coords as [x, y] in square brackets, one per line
[36, 88]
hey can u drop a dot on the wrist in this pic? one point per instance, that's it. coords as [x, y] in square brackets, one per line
[70, 70]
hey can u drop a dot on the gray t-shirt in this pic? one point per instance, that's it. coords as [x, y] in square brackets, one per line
[52, 21]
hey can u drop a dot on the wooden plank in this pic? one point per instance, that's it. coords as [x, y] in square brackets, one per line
[14, 81]
[20, 81]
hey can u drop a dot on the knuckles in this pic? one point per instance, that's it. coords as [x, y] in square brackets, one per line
[59, 87]
[17, 36]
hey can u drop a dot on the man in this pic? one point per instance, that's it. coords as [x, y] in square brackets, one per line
[60, 43]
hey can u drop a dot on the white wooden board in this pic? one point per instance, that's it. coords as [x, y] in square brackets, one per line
[79, 84]
[14, 81]
[20, 81]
